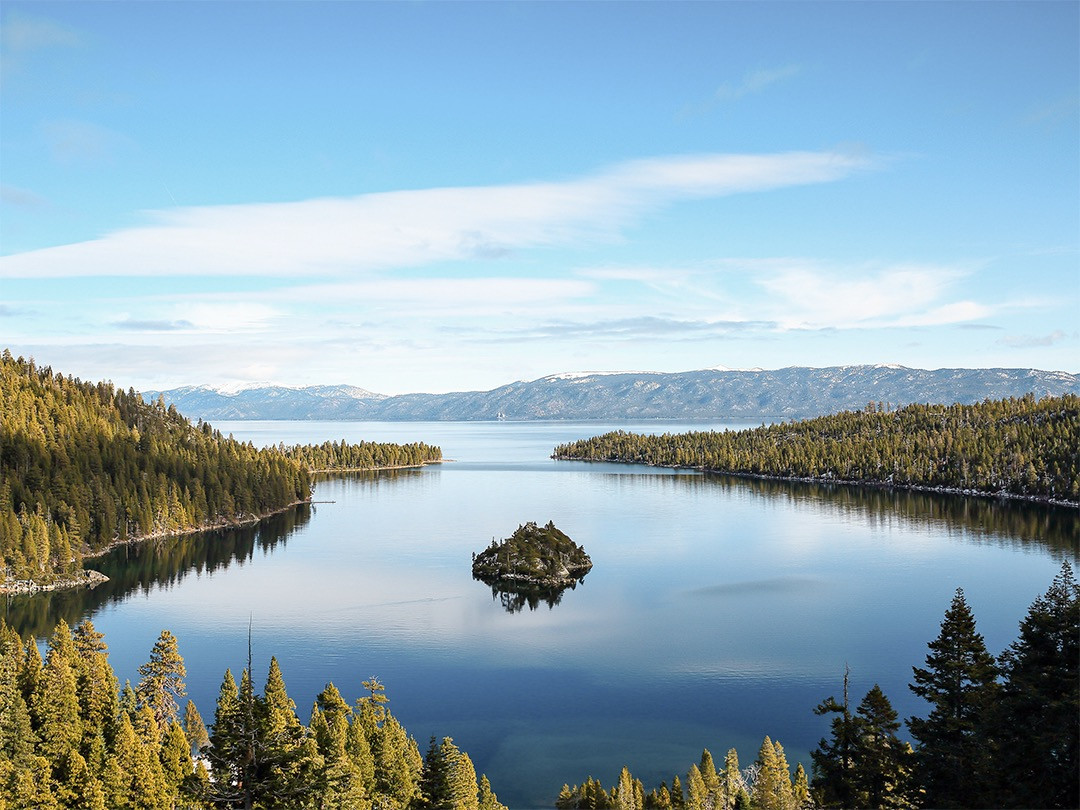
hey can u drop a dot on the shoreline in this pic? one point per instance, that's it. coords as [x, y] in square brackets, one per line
[88, 577]
[420, 466]
[968, 493]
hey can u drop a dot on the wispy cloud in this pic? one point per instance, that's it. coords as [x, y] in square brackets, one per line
[344, 236]
[807, 295]
[21, 197]
[137, 325]
[82, 142]
[22, 35]
[1033, 341]
[754, 82]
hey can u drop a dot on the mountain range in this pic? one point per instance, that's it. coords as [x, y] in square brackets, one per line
[794, 392]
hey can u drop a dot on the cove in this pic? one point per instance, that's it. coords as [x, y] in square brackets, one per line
[718, 610]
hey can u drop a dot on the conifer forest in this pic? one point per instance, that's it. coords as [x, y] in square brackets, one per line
[1022, 447]
[86, 466]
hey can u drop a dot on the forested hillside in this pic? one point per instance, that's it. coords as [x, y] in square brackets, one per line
[70, 738]
[84, 465]
[1023, 447]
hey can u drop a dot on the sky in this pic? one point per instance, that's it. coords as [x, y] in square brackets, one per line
[444, 196]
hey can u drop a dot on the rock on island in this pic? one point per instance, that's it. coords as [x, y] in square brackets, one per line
[533, 555]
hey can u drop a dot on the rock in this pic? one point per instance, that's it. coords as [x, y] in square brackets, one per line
[535, 556]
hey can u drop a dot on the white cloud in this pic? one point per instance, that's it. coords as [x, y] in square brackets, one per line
[342, 236]
[807, 295]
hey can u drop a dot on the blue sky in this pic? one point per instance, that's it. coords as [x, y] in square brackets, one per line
[449, 196]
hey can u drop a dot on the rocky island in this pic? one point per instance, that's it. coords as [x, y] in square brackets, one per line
[542, 557]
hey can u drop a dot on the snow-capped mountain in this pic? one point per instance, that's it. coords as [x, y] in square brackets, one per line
[793, 392]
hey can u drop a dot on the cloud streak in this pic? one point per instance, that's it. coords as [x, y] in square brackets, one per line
[380, 231]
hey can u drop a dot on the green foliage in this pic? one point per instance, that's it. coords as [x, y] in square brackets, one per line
[960, 684]
[541, 555]
[63, 744]
[1035, 715]
[162, 683]
[1024, 447]
[342, 457]
[84, 466]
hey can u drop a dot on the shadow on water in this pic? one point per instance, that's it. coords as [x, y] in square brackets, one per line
[515, 596]
[1006, 522]
[143, 567]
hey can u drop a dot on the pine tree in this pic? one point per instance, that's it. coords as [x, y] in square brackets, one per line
[162, 683]
[195, 728]
[772, 788]
[76, 787]
[1035, 718]
[959, 683]
[487, 800]
[731, 779]
[176, 764]
[883, 762]
[696, 793]
[833, 760]
[800, 789]
[56, 703]
[625, 798]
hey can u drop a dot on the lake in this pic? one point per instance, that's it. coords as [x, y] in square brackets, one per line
[718, 610]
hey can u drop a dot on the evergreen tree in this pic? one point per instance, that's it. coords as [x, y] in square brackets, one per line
[800, 790]
[696, 793]
[834, 759]
[959, 683]
[625, 795]
[76, 787]
[486, 799]
[883, 761]
[731, 779]
[162, 683]
[56, 704]
[1035, 718]
[772, 787]
[195, 728]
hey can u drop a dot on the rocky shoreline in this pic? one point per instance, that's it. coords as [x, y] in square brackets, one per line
[86, 578]
[541, 557]
[90, 578]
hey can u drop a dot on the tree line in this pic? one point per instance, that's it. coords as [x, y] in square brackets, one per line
[341, 456]
[1000, 732]
[71, 738]
[85, 465]
[1020, 446]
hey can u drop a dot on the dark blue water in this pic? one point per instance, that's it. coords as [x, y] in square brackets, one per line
[717, 610]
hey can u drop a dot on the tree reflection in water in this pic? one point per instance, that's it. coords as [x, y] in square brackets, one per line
[514, 596]
[144, 567]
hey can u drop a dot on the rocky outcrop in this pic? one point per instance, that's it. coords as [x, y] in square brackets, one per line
[83, 578]
[535, 556]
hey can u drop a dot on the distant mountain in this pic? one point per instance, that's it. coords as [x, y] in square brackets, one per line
[794, 392]
[269, 401]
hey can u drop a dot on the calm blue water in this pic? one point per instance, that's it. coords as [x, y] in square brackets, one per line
[717, 610]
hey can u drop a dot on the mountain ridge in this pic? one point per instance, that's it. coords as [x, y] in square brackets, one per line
[791, 392]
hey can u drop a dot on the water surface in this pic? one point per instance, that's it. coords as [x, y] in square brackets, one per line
[718, 610]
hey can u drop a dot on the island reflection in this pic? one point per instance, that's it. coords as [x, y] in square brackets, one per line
[514, 597]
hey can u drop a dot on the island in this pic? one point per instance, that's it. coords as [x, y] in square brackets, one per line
[533, 555]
